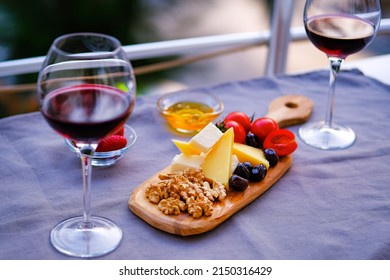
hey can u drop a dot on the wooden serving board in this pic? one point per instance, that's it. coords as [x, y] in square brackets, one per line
[285, 110]
[184, 224]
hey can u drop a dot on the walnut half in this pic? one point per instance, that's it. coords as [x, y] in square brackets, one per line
[199, 206]
[172, 206]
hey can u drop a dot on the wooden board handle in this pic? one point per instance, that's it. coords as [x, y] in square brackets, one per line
[290, 109]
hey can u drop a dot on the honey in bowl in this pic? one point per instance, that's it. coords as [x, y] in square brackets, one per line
[189, 112]
[189, 116]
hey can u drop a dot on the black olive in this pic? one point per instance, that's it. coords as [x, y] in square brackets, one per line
[271, 156]
[258, 173]
[242, 171]
[238, 183]
[248, 165]
[252, 140]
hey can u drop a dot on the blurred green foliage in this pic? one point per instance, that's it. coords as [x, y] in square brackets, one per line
[27, 28]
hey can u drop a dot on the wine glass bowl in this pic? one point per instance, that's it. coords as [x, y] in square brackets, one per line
[86, 89]
[338, 29]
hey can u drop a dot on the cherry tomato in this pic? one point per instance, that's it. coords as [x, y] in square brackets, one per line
[241, 118]
[239, 131]
[261, 127]
[282, 141]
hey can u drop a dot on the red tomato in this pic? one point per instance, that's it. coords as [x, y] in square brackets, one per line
[282, 141]
[239, 131]
[261, 127]
[241, 118]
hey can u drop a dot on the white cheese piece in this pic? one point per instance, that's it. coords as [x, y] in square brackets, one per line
[206, 138]
[182, 161]
[234, 163]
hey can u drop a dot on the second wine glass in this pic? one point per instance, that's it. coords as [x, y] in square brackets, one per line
[339, 29]
[86, 89]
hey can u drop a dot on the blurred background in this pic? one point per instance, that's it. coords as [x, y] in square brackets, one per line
[27, 29]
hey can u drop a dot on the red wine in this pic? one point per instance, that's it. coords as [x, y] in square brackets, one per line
[86, 112]
[339, 36]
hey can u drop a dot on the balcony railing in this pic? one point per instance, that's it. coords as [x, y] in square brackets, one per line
[193, 49]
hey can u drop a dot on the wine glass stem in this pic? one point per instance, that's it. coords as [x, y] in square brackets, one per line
[86, 165]
[335, 64]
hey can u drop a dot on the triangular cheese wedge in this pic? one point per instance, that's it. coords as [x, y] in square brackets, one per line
[185, 147]
[251, 154]
[217, 164]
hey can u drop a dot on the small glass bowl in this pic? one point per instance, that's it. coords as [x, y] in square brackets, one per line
[104, 159]
[189, 121]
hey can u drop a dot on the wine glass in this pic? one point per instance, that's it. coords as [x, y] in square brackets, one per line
[338, 28]
[86, 89]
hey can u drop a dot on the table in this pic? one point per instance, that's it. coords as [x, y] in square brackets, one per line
[329, 205]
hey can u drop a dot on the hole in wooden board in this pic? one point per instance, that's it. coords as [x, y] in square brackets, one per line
[291, 105]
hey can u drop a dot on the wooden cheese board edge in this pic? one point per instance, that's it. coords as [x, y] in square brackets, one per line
[180, 225]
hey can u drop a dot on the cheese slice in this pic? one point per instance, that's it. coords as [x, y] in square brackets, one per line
[182, 161]
[218, 161]
[206, 138]
[251, 154]
[185, 147]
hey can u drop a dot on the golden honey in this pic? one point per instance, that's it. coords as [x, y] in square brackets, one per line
[189, 116]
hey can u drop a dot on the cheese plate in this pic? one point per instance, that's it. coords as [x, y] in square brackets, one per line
[285, 110]
[184, 224]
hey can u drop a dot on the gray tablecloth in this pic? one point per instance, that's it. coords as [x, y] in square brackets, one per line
[329, 205]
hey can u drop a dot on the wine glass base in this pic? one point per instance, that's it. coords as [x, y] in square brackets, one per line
[75, 238]
[321, 136]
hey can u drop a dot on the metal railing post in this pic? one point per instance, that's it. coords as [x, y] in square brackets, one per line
[280, 37]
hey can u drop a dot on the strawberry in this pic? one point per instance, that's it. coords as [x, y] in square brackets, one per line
[111, 143]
